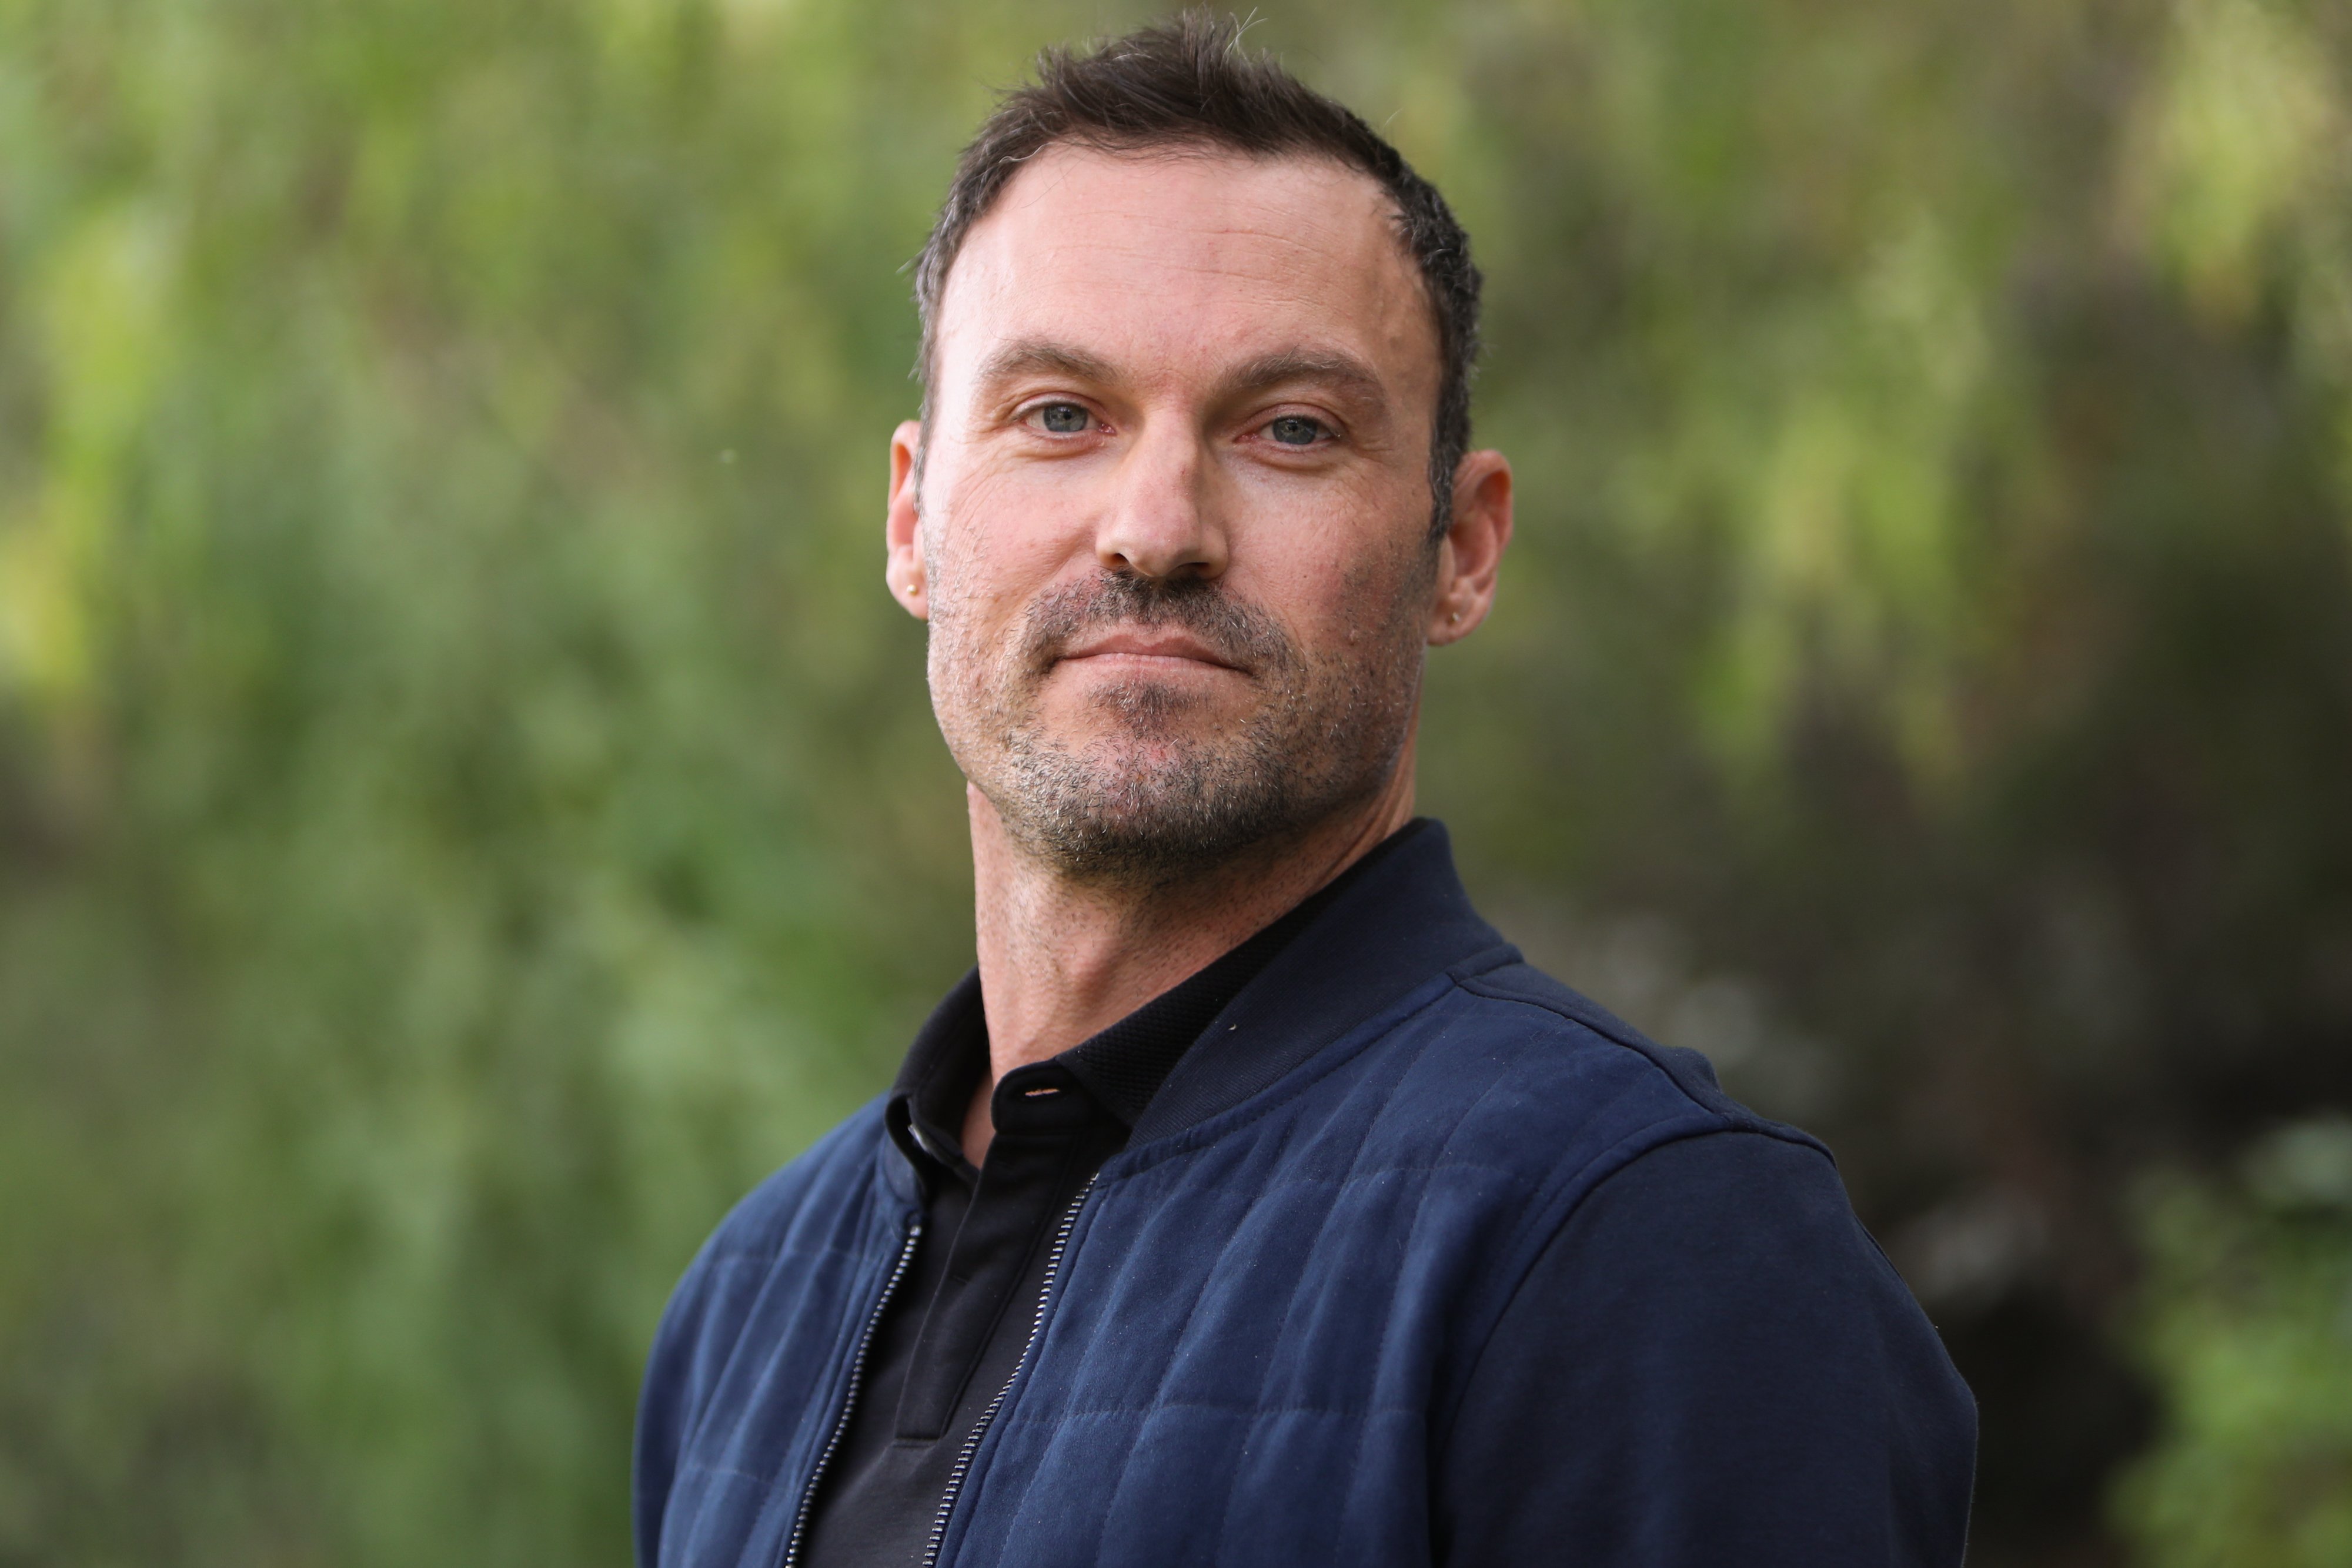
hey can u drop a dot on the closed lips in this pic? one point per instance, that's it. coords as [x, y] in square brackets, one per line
[1173, 647]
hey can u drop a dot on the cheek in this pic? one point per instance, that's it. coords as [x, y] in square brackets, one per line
[994, 543]
[1336, 588]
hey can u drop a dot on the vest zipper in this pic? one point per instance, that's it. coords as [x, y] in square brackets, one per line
[849, 1399]
[987, 1417]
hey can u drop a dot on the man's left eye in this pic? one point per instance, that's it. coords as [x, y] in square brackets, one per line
[1293, 430]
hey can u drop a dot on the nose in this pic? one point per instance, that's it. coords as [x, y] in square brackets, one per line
[1163, 522]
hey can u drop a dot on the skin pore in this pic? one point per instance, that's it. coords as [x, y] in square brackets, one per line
[1173, 540]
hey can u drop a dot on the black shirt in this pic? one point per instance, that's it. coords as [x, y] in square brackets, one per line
[955, 1328]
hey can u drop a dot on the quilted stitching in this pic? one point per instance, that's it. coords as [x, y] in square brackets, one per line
[1262, 1318]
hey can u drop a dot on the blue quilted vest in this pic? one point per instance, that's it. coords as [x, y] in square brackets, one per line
[1267, 1304]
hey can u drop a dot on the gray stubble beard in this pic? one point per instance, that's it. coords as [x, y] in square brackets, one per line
[1327, 734]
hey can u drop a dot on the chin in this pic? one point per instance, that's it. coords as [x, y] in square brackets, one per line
[1170, 743]
[1121, 807]
[1149, 708]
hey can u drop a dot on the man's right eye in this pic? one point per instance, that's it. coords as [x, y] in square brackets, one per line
[1063, 418]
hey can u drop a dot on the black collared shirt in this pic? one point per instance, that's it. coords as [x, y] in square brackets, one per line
[952, 1334]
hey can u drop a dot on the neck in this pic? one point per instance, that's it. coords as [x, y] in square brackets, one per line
[1061, 960]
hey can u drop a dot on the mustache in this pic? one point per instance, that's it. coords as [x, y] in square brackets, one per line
[1237, 631]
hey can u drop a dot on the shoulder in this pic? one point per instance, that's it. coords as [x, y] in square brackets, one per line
[1562, 1032]
[1509, 1057]
[1510, 1097]
[1655, 1182]
[1713, 1217]
[1674, 1168]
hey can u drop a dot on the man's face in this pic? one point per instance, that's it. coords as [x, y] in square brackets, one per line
[1174, 504]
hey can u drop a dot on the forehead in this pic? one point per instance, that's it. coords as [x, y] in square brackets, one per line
[1162, 262]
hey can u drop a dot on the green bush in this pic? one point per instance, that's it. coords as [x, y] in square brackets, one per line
[2247, 1325]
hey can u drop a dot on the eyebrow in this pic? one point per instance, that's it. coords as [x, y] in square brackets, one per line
[1342, 372]
[1043, 356]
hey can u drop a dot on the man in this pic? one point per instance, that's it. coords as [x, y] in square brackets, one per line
[1252, 1202]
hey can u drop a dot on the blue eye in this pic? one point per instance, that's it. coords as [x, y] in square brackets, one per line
[1066, 419]
[1294, 430]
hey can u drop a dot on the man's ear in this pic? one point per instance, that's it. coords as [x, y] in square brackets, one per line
[1472, 551]
[902, 564]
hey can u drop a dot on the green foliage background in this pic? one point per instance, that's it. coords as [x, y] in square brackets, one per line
[467, 809]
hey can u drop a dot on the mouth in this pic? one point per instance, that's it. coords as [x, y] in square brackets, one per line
[1161, 648]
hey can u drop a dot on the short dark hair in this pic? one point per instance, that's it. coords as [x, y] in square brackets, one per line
[1191, 83]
